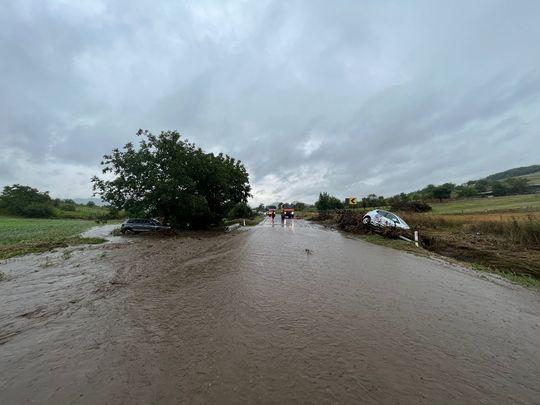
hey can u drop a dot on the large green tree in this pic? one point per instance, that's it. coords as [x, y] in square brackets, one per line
[443, 191]
[328, 202]
[26, 201]
[169, 177]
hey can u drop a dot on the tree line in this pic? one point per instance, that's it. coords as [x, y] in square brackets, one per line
[26, 201]
[418, 200]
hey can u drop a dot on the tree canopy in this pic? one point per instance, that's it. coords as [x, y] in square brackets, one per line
[328, 202]
[26, 201]
[171, 178]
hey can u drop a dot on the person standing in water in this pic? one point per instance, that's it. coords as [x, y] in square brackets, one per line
[273, 215]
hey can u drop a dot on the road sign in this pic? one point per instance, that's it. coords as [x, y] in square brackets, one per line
[352, 200]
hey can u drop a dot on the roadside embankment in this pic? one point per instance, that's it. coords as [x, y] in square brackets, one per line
[509, 245]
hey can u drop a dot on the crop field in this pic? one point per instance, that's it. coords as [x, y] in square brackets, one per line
[24, 235]
[514, 203]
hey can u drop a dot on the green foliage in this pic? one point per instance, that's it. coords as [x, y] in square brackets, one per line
[517, 185]
[373, 201]
[26, 201]
[241, 210]
[464, 191]
[499, 188]
[328, 202]
[171, 178]
[299, 206]
[482, 185]
[443, 191]
[411, 206]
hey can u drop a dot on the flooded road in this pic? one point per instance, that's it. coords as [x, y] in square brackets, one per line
[274, 314]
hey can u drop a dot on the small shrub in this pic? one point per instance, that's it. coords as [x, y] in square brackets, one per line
[67, 207]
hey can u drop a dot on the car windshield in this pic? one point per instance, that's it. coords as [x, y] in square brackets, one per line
[390, 216]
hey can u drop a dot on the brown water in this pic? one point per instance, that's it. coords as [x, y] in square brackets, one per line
[254, 318]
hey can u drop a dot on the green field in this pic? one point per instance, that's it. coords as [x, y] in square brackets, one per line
[82, 212]
[24, 235]
[518, 203]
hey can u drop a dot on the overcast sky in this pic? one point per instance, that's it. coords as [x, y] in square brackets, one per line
[350, 97]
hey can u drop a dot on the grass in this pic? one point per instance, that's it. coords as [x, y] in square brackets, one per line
[82, 212]
[392, 243]
[523, 203]
[514, 277]
[19, 236]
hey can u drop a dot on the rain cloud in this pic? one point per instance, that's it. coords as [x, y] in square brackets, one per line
[346, 97]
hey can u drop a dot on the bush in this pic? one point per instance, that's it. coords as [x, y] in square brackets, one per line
[67, 207]
[241, 210]
[410, 206]
[328, 202]
[37, 210]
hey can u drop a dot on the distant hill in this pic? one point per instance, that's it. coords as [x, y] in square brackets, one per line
[518, 171]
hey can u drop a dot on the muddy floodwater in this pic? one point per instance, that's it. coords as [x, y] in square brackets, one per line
[273, 314]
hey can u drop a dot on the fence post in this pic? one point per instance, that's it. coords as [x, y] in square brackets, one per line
[416, 238]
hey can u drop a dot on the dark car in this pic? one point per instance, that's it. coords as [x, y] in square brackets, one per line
[136, 225]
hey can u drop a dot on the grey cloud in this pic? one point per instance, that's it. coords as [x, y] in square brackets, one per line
[311, 95]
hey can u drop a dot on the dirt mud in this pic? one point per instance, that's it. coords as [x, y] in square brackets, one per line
[275, 314]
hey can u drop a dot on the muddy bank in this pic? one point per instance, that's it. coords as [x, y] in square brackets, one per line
[254, 317]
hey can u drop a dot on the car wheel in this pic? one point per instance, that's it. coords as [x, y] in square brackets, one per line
[366, 220]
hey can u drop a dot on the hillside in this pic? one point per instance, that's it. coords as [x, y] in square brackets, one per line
[515, 172]
[534, 178]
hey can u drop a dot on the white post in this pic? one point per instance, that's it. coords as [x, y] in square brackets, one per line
[244, 222]
[416, 238]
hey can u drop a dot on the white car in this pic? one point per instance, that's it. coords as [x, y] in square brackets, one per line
[384, 218]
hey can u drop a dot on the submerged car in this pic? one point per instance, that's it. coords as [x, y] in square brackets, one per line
[136, 225]
[383, 218]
